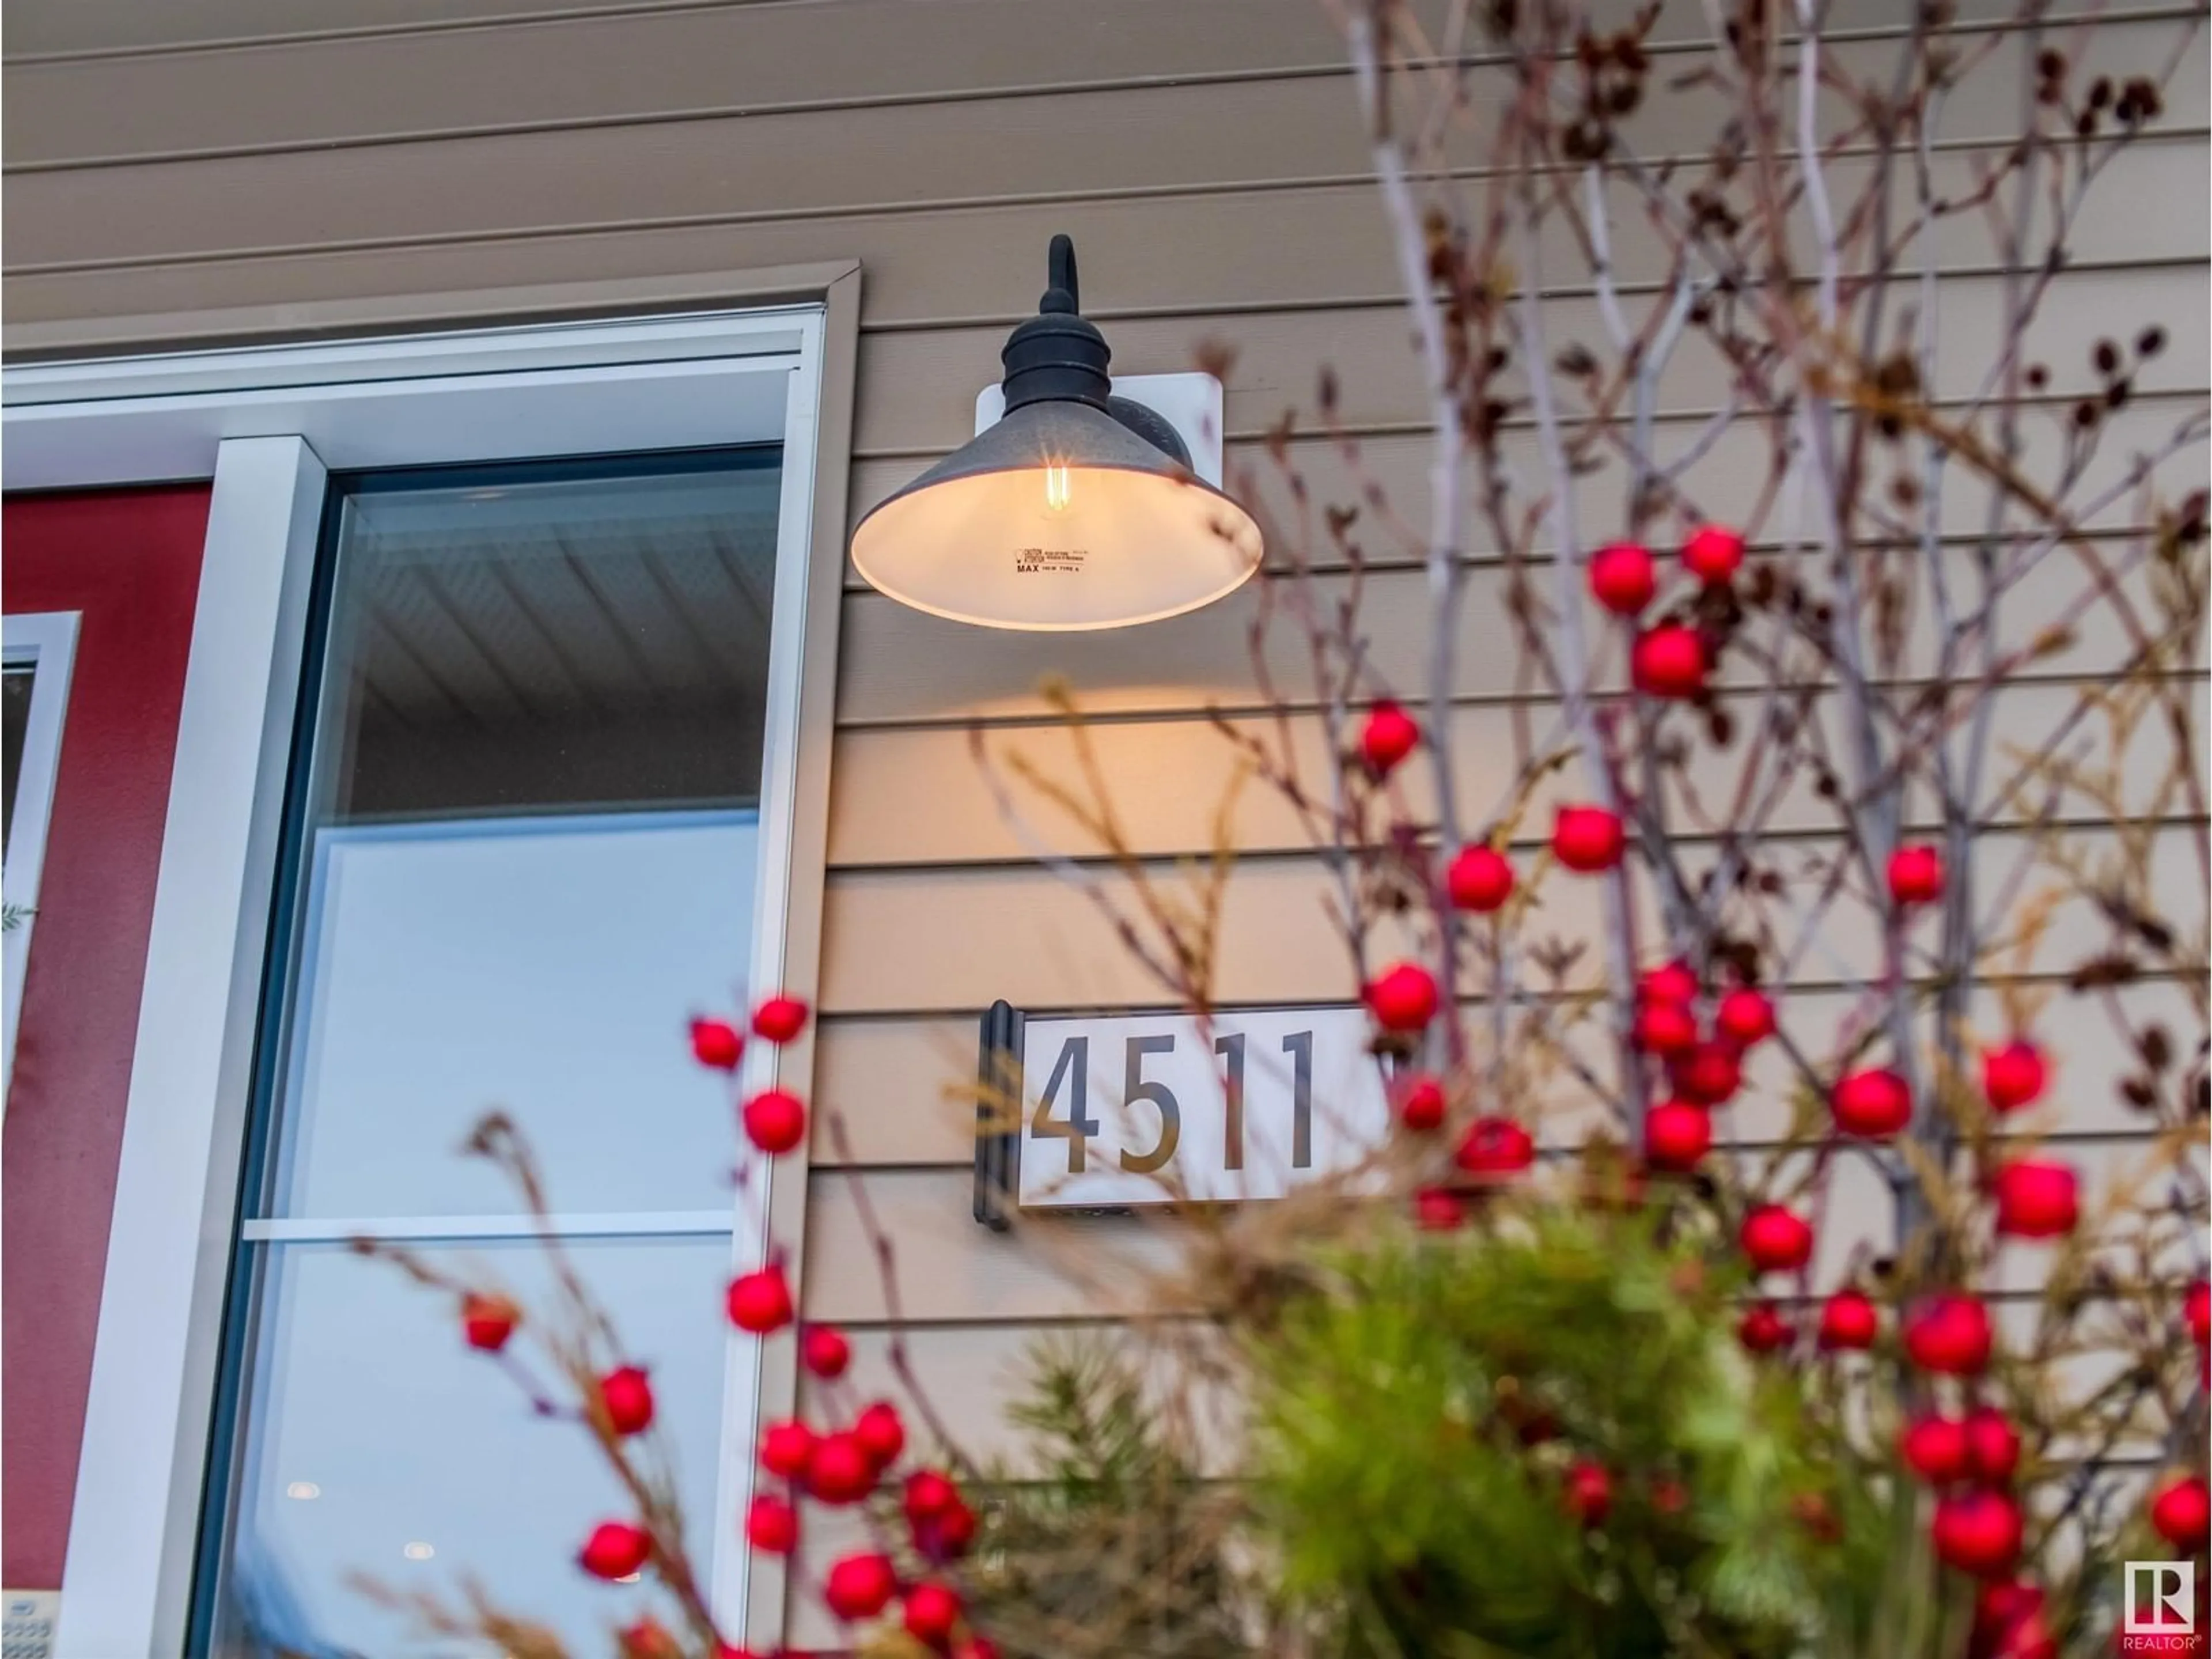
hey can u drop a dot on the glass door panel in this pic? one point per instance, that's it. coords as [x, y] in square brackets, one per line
[522, 850]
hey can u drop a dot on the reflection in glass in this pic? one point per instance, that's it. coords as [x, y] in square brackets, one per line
[541, 964]
[425, 1461]
[587, 641]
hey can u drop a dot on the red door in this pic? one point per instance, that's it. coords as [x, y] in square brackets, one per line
[127, 563]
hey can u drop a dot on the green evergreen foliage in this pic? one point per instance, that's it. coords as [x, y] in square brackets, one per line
[1418, 1418]
[1417, 1404]
[1106, 1540]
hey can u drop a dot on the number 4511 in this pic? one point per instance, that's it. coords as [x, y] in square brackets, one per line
[1071, 1070]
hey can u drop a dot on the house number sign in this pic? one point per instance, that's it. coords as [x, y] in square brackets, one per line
[1125, 1110]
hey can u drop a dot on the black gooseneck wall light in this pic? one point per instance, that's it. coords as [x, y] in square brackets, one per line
[1079, 510]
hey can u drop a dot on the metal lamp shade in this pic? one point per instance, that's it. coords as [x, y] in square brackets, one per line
[1058, 518]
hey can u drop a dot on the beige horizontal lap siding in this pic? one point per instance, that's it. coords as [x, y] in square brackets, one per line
[1212, 252]
[903, 666]
[683, 61]
[1724, 478]
[895, 1092]
[423, 210]
[917, 386]
[933, 910]
[43, 30]
[949, 940]
[908, 796]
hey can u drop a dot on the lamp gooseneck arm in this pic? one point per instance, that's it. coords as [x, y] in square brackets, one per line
[1060, 293]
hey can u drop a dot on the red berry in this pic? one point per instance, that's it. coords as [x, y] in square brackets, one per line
[1978, 1532]
[1403, 998]
[946, 1535]
[928, 1495]
[1671, 981]
[1666, 1028]
[2196, 1312]
[840, 1470]
[2030, 1639]
[1992, 1446]
[1916, 875]
[2009, 1624]
[2013, 1075]
[1479, 878]
[774, 1121]
[780, 1019]
[1387, 737]
[860, 1586]
[772, 1525]
[2037, 1198]
[2000, 1604]
[627, 1397]
[1948, 1335]
[1763, 1329]
[824, 1350]
[715, 1042]
[1935, 1448]
[1623, 578]
[1421, 1102]
[2181, 1512]
[1670, 1496]
[1712, 554]
[486, 1321]
[1438, 1210]
[615, 1550]
[1997, 1607]
[932, 1610]
[881, 1434]
[1744, 1017]
[785, 1447]
[1668, 661]
[1849, 1319]
[1587, 839]
[1775, 1240]
[1708, 1074]
[1676, 1136]
[1874, 1104]
[1495, 1147]
[1588, 1493]
[760, 1301]
[648, 1638]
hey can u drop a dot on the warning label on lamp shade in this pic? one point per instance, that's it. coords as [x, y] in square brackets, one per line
[1049, 561]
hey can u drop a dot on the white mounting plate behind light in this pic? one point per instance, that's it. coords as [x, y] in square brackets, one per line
[1191, 404]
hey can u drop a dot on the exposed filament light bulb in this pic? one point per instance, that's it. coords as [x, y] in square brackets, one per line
[1057, 490]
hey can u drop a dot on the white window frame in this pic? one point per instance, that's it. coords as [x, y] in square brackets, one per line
[46, 641]
[268, 425]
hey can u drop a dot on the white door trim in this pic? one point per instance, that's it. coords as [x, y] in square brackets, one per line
[126, 1579]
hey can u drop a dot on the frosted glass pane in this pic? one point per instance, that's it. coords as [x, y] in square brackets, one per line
[379, 1446]
[546, 966]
